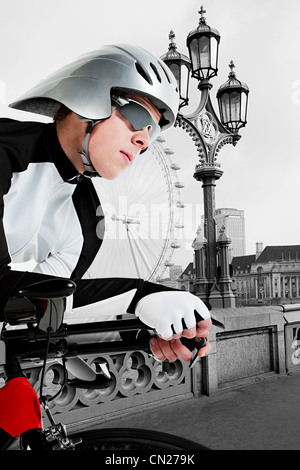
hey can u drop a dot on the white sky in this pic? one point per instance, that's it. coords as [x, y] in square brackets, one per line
[261, 174]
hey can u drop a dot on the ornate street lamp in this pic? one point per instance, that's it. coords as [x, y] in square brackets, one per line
[209, 133]
[233, 102]
[203, 45]
[180, 65]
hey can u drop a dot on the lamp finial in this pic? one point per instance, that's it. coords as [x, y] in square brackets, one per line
[172, 44]
[202, 12]
[232, 67]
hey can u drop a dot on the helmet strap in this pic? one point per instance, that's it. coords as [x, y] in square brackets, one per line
[89, 170]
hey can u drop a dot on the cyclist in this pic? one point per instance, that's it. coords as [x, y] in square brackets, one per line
[107, 106]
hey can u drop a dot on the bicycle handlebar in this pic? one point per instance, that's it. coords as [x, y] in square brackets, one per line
[25, 342]
[78, 339]
[64, 340]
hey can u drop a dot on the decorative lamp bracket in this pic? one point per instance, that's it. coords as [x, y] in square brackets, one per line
[206, 131]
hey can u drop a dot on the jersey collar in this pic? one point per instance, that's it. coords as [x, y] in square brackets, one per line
[64, 166]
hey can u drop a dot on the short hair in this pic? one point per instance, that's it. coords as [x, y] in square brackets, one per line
[61, 113]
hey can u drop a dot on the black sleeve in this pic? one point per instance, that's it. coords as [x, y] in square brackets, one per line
[90, 291]
[147, 288]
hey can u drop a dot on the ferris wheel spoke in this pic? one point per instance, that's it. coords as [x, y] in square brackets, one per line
[133, 255]
[135, 241]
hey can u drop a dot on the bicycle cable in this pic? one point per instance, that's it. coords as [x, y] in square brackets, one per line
[64, 382]
[46, 353]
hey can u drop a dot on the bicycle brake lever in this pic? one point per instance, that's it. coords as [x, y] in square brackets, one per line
[194, 344]
[217, 323]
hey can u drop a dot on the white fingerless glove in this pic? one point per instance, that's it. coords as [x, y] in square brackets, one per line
[165, 311]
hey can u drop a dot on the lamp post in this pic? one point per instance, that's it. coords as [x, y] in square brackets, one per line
[209, 133]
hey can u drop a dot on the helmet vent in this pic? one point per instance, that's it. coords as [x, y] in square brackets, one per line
[141, 70]
[156, 72]
[166, 70]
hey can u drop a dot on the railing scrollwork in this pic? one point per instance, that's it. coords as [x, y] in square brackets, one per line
[136, 379]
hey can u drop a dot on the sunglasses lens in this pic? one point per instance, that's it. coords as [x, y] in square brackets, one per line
[140, 118]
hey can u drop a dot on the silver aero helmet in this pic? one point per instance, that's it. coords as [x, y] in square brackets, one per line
[86, 85]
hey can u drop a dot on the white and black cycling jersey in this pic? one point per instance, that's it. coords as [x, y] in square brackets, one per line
[48, 211]
[49, 214]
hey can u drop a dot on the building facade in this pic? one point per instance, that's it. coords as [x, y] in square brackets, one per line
[233, 222]
[187, 279]
[271, 275]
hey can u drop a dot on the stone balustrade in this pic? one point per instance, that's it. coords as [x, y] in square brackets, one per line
[137, 380]
[256, 343]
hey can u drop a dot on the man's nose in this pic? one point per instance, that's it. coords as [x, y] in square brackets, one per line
[141, 137]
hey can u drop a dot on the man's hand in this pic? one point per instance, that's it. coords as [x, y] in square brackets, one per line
[173, 348]
[173, 314]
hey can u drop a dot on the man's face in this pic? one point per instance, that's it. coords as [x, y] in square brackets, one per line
[114, 143]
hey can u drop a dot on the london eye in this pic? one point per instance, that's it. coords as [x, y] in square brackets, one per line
[143, 217]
